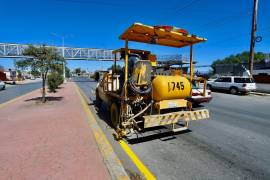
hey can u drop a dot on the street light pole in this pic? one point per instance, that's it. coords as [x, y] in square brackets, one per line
[63, 53]
[253, 36]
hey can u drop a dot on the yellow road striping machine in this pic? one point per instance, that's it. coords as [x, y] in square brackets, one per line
[137, 96]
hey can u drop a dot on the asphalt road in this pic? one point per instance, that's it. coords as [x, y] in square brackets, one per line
[13, 91]
[233, 144]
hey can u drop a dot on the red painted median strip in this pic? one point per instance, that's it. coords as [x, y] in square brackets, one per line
[48, 141]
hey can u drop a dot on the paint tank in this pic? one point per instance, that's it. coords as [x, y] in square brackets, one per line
[170, 87]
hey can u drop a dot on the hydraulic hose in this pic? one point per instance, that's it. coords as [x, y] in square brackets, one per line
[136, 115]
[136, 89]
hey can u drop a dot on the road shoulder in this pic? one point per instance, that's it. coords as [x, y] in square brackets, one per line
[111, 160]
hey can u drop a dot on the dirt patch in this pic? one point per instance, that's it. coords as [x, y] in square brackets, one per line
[134, 175]
[50, 100]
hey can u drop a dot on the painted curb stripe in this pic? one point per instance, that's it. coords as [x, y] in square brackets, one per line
[143, 169]
[112, 162]
[138, 163]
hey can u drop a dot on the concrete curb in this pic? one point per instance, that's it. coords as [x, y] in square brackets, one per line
[28, 82]
[16, 98]
[110, 158]
[260, 93]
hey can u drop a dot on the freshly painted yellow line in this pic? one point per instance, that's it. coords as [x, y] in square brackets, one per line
[15, 99]
[144, 170]
[138, 163]
[112, 162]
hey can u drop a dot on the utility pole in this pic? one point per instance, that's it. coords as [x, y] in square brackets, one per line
[253, 36]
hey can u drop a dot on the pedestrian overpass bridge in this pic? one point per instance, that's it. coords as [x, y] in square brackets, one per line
[10, 50]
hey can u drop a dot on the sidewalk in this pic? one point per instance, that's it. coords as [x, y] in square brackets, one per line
[48, 141]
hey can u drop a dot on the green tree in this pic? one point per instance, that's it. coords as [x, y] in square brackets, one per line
[238, 59]
[78, 70]
[59, 69]
[67, 72]
[35, 72]
[42, 59]
[54, 80]
[83, 71]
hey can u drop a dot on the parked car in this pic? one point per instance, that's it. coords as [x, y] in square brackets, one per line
[198, 95]
[2, 85]
[233, 84]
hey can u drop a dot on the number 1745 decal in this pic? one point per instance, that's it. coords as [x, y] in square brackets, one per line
[172, 86]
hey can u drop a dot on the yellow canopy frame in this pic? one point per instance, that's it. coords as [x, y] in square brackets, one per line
[154, 35]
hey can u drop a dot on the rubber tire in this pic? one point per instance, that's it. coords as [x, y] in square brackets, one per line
[98, 100]
[233, 90]
[114, 115]
[208, 86]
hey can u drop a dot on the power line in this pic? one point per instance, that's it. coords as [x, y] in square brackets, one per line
[234, 37]
[91, 2]
[109, 3]
[224, 20]
[187, 5]
[183, 8]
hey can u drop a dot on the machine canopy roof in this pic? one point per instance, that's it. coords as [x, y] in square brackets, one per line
[158, 35]
[144, 54]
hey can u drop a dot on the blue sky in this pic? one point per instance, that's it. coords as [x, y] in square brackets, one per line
[98, 24]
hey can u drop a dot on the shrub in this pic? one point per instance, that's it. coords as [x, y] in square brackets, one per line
[54, 81]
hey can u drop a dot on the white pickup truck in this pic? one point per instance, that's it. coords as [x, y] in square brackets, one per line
[233, 84]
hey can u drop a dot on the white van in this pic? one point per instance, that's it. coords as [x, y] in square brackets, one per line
[234, 84]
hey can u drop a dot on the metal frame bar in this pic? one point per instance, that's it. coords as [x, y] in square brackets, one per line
[191, 62]
[126, 68]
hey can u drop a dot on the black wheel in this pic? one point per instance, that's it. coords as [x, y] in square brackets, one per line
[233, 90]
[98, 100]
[115, 116]
[209, 87]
